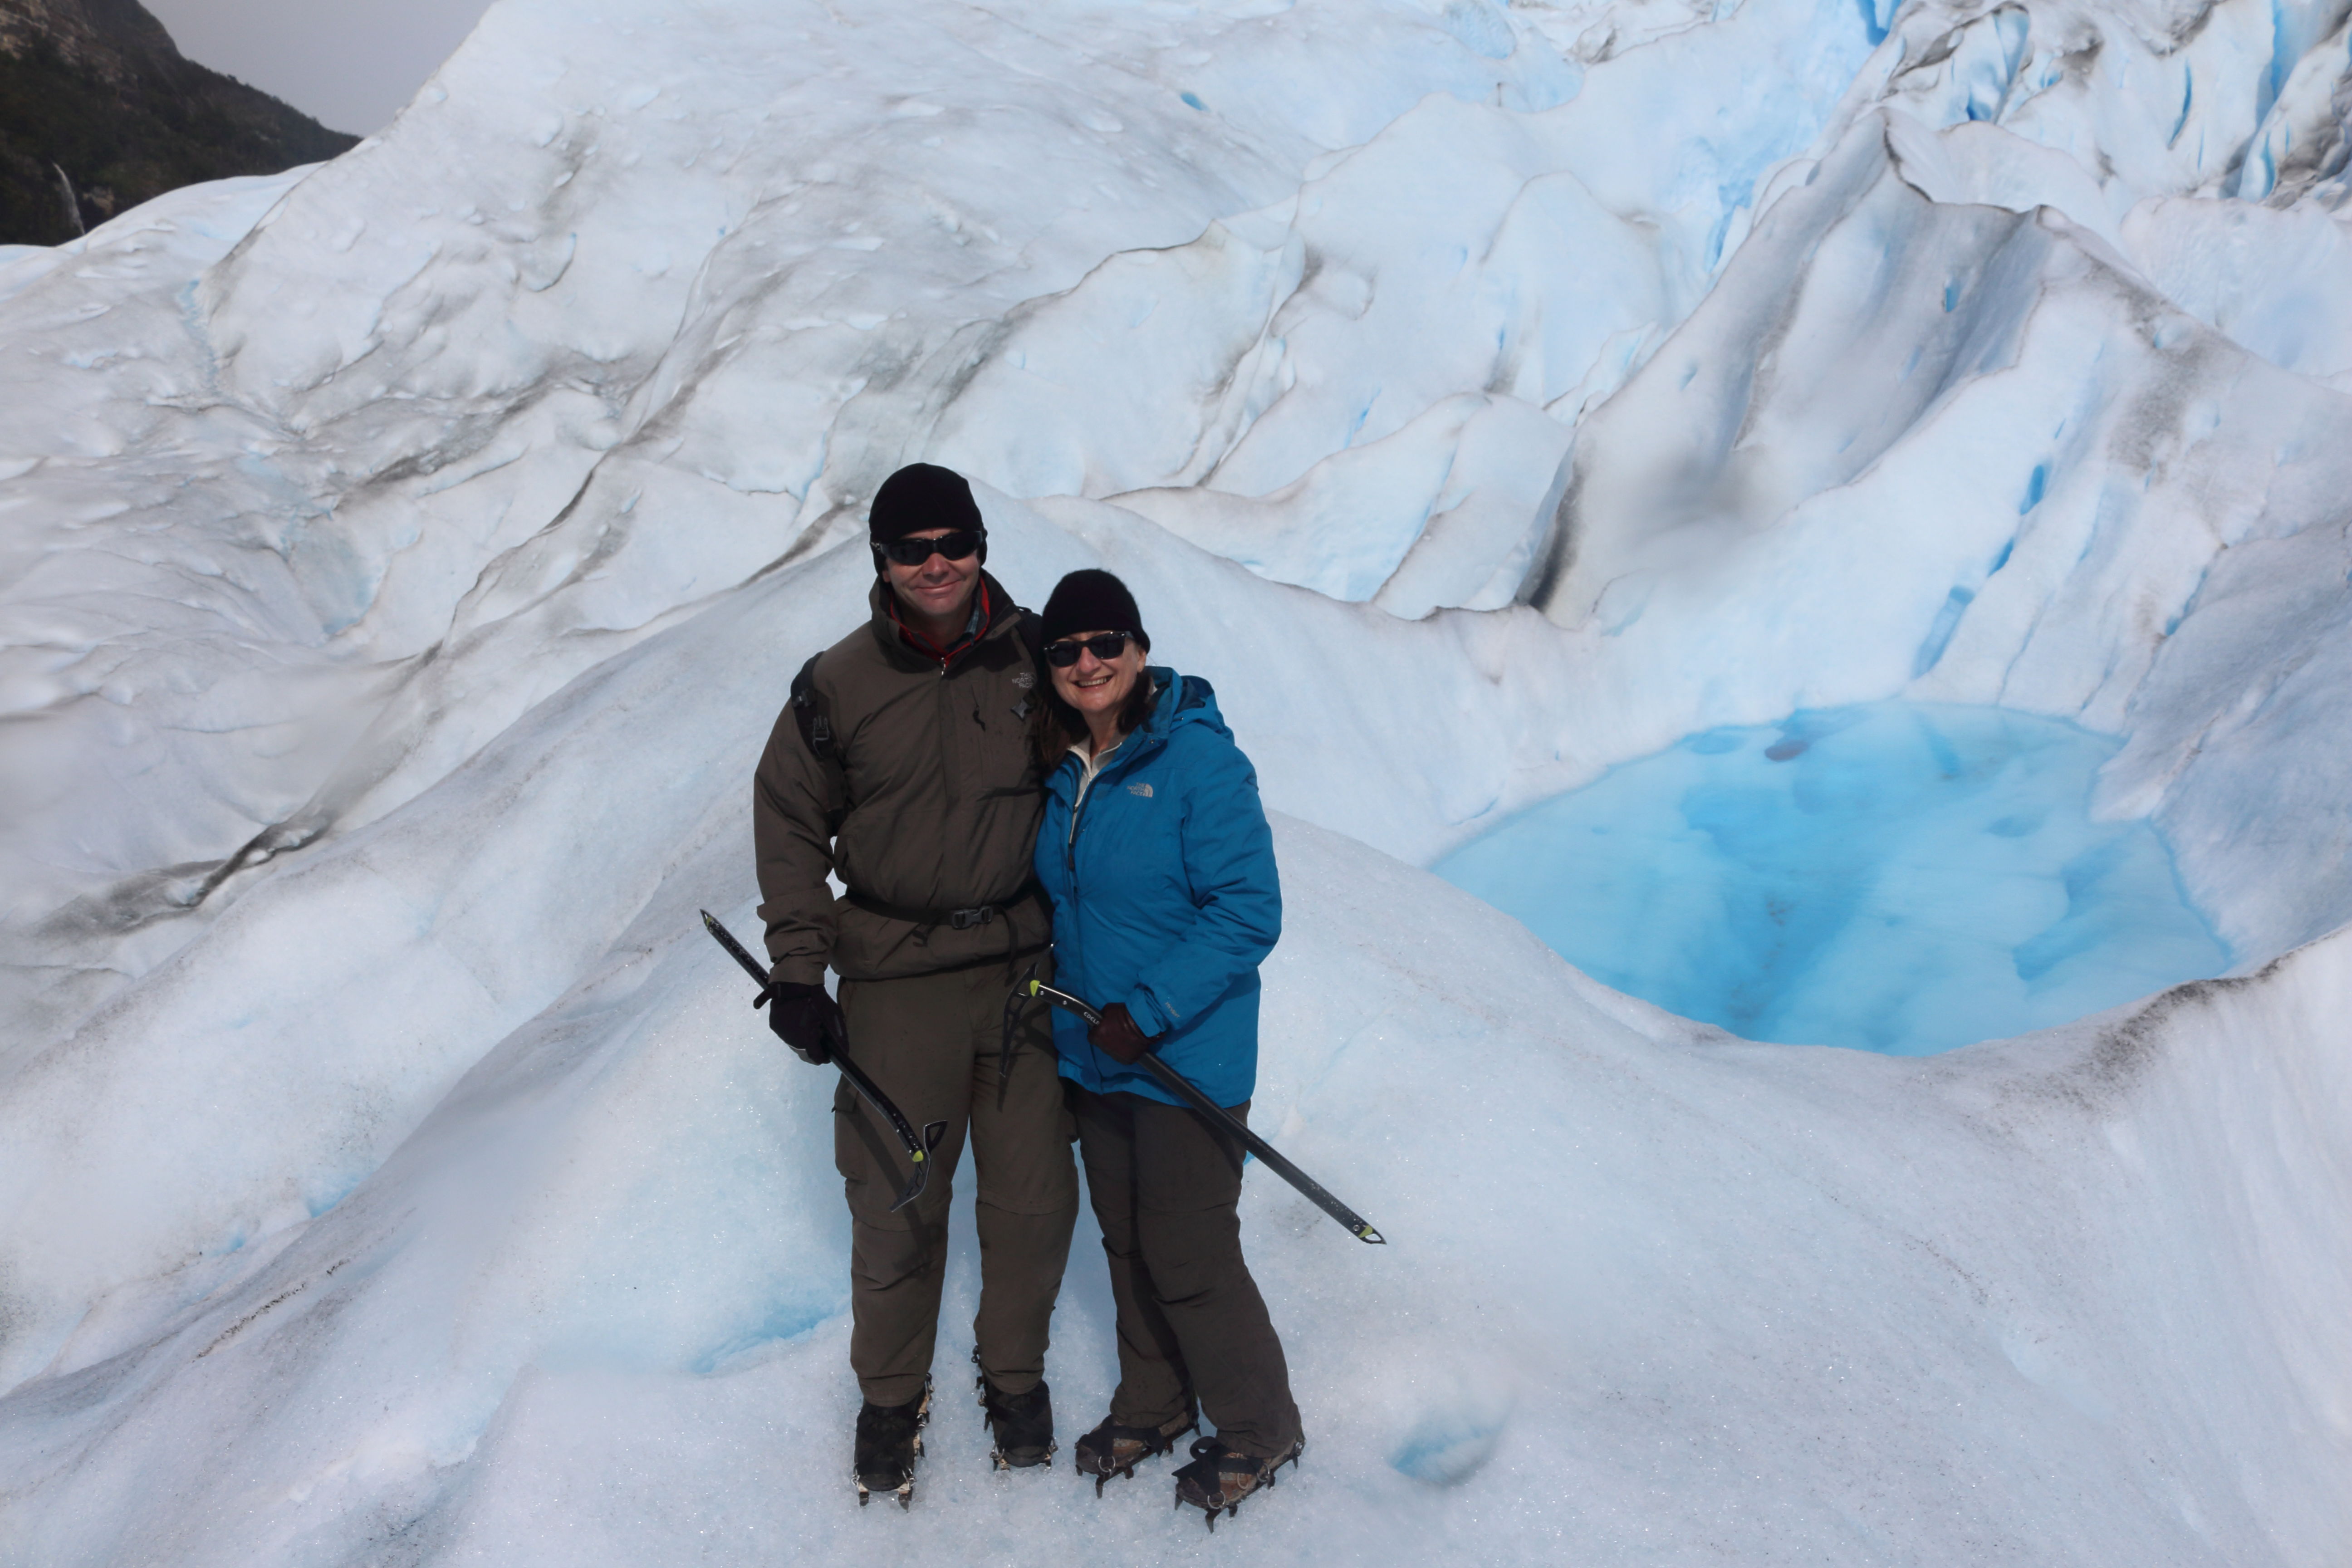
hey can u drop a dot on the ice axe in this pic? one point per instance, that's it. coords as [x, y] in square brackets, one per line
[1221, 1119]
[919, 1150]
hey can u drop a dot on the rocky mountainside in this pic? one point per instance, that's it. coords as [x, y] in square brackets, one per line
[99, 111]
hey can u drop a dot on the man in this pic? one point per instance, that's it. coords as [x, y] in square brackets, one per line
[903, 766]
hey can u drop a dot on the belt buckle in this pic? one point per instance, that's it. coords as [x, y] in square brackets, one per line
[964, 920]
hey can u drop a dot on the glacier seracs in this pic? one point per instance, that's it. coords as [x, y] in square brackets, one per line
[404, 557]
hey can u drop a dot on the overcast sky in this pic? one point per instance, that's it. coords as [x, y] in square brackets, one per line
[349, 64]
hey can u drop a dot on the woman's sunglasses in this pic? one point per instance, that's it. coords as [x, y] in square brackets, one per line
[955, 545]
[1106, 648]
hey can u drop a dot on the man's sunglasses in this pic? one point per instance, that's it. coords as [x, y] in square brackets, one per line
[955, 545]
[1106, 648]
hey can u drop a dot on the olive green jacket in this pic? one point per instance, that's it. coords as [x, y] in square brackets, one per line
[937, 799]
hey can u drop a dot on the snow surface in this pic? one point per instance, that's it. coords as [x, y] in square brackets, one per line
[403, 561]
[1896, 877]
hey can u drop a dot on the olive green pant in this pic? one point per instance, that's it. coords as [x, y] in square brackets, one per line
[1166, 1190]
[930, 1043]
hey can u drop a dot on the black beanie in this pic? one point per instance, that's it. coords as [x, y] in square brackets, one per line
[1092, 601]
[922, 496]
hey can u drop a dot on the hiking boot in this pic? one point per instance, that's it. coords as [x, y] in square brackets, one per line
[1112, 1449]
[889, 1441]
[1219, 1477]
[1020, 1423]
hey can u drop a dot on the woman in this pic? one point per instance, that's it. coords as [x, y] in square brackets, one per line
[1161, 867]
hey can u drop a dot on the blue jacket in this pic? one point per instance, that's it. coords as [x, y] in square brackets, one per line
[1165, 896]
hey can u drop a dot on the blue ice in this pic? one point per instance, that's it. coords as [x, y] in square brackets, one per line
[1897, 877]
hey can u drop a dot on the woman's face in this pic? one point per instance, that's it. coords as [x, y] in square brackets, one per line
[1096, 686]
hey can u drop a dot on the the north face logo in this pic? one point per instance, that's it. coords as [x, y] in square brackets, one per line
[1142, 789]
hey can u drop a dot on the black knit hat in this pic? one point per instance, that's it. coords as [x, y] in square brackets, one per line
[922, 496]
[1092, 601]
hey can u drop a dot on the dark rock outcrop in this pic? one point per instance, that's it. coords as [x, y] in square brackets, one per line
[99, 111]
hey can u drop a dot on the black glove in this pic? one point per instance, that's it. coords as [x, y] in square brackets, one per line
[808, 1020]
[1118, 1037]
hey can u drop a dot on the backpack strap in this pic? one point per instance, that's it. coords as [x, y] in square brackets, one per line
[813, 715]
[1030, 629]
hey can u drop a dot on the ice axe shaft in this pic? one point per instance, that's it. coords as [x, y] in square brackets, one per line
[919, 1150]
[1225, 1121]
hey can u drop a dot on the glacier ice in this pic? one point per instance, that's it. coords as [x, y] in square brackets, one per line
[403, 557]
[1895, 877]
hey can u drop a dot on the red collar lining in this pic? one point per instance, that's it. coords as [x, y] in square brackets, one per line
[930, 650]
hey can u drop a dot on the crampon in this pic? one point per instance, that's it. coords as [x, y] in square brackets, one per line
[1219, 1477]
[889, 1441]
[1112, 1449]
[1020, 1425]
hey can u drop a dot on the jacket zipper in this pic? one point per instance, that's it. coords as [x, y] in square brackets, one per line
[1070, 844]
[1078, 818]
[1086, 782]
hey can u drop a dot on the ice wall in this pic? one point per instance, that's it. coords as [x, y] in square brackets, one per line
[401, 445]
[403, 561]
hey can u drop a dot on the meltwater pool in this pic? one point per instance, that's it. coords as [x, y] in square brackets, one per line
[1897, 877]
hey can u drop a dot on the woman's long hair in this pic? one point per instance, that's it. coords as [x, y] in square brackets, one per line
[1054, 726]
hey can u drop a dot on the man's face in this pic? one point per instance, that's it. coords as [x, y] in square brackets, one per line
[937, 588]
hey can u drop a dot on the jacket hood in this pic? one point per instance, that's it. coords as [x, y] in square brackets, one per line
[1183, 699]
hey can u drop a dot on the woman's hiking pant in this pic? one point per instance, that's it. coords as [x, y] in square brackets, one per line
[1166, 1190]
[930, 1042]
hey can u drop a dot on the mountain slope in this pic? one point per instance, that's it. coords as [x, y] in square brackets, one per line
[99, 112]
